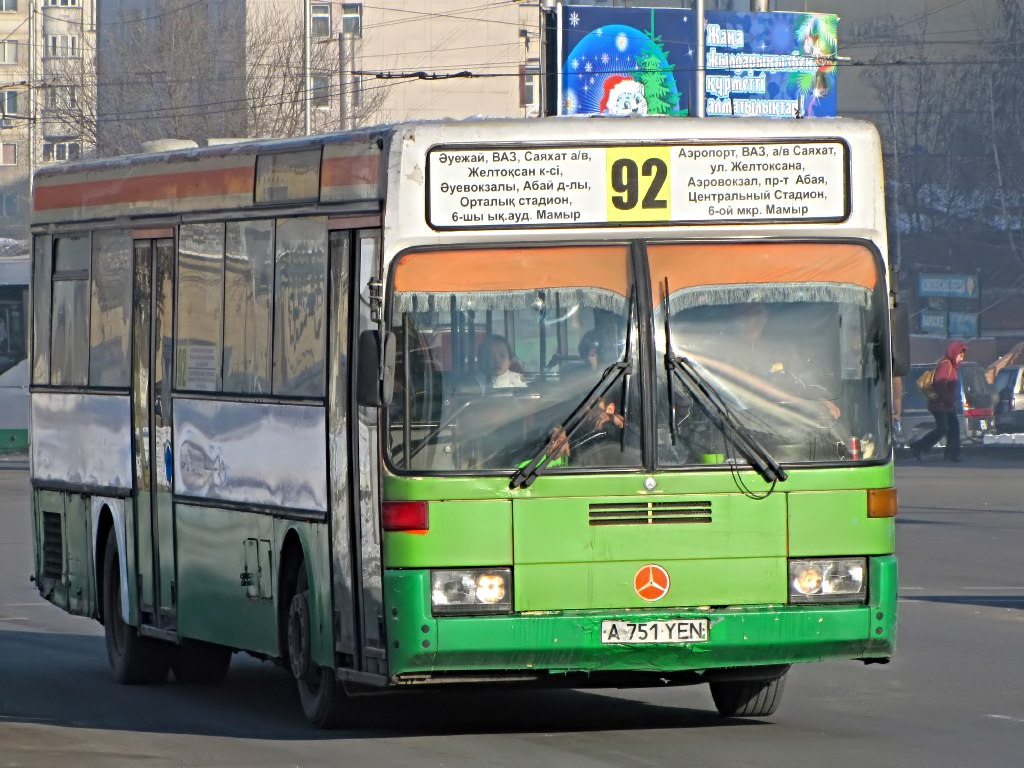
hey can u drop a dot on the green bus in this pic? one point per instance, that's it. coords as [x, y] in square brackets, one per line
[550, 402]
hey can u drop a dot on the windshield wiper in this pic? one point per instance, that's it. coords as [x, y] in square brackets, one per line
[527, 473]
[711, 402]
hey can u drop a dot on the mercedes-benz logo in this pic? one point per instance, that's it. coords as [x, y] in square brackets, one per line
[651, 582]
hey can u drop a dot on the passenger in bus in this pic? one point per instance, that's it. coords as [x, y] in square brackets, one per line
[497, 367]
[589, 349]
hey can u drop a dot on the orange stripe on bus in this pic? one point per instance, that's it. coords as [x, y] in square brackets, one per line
[145, 189]
[349, 171]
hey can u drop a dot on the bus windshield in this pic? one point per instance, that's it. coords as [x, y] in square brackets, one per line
[790, 337]
[498, 347]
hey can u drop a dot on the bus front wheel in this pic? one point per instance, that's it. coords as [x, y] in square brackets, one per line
[323, 699]
[134, 659]
[747, 698]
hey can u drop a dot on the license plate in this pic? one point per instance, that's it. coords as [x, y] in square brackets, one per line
[673, 631]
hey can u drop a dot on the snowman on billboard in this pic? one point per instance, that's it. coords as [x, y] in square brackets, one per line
[623, 96]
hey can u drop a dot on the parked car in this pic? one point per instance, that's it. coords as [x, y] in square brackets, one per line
[1009, 407]
[976, 394]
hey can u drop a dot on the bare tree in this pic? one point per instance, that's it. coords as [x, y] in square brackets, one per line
[920, 99]
[274, 83]
[200, 70]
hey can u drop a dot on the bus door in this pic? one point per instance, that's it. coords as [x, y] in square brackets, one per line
[355, 526]
[152, 376]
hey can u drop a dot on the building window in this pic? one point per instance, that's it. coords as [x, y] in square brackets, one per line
[61, 97]
[320, 17]
[9, 52]
[9, 6]
[321, 93]
[60, 151]
[9, 106]
[352, 18]
[62, 46]
[528, 76]
[9, 205]
[8, 153]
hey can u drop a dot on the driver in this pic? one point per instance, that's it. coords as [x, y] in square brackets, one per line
[774, 364]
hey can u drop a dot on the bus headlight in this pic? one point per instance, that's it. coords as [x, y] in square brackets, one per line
[471, 591]
[834, 580]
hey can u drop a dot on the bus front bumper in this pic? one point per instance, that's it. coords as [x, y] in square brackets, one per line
[424, 648]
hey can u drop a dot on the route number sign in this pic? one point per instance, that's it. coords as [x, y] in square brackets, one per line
[645, 184]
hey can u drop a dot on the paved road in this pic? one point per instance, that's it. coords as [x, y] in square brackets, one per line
[951, 697]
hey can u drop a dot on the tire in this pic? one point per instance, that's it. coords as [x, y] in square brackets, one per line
[200, 663]
[323, 700]
[134, 660]
[747, 698]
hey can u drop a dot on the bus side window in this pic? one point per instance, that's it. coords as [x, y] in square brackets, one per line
[248, 305]
[110, 343]
[69, 320]
[300, 338]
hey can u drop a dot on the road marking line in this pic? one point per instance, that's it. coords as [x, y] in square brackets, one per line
[13, 618]
[1007, 717]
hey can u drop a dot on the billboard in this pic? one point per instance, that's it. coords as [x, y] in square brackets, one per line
[963, 324]
[769, 64]
[932, 322]
[626, 61]
[947, 286]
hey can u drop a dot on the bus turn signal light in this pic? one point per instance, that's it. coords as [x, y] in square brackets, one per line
[882, 502]
[408, 516]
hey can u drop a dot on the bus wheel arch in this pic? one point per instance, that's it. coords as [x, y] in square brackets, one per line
[104, 530]
[134, 659]
[321, 696]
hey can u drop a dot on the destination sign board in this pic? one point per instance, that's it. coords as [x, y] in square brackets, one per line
[645, 184]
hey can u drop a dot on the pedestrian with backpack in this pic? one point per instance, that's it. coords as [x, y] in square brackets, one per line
[945, 405]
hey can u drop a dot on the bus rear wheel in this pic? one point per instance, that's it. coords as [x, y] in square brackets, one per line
[135, 660]
[324, 702]
[747, 698]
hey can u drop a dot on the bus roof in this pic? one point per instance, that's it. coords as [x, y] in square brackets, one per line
[436, 169]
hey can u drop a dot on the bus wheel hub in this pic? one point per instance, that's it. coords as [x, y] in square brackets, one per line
[298, 636]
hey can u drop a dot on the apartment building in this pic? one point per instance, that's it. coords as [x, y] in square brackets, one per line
[14, 131]
[46, 66]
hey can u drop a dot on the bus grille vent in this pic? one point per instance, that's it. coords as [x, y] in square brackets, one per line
[53, 546]
[650, 513]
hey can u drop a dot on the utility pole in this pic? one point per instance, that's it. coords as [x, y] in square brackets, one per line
[346, 67]
[307, 34]
[700, 92]
[31, 98]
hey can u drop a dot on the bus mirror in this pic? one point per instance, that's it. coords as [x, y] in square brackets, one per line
[375, 379]
[387, 372]
[899, 325]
